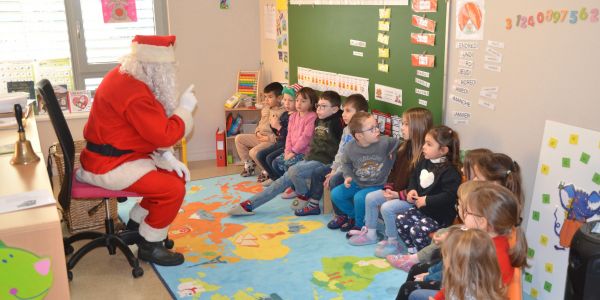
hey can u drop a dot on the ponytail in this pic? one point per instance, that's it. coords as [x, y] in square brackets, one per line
[518, 251]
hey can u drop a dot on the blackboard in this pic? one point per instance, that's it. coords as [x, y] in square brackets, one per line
[319, 37]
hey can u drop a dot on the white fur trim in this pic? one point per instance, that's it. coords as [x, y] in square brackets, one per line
[153, 54]
[186, 116]
[138, 213]
[120, 177]
[152, 234]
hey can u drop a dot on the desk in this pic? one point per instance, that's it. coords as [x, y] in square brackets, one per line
[37, 230]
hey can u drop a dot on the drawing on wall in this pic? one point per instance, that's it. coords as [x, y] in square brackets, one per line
[23, 275]
[119, 11]
[565, 196]
[224, 4]
[470, 19]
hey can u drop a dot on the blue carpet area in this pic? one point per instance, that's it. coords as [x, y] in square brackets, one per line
[271, 255]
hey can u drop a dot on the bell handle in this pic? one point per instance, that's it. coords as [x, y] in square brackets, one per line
[19, 116]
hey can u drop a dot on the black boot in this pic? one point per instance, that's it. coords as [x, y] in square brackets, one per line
[132, 225]
[155, 252]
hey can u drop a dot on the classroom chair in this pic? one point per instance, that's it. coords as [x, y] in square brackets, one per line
[72, 188]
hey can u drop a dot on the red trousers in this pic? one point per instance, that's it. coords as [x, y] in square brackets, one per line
[163, 193]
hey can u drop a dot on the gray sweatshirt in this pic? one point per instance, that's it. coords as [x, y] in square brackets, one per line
[371, 165]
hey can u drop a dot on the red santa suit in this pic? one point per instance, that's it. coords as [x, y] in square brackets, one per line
[127, 116]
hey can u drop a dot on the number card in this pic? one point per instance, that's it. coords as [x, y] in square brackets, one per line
[422, 60]
[423, 23]
[424, 6]
[423, 38]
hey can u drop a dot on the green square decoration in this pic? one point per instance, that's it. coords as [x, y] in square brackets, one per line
[530, 252]
[585, 158]
[535, 215]
[566, 162]
[596, 178]
[546, 198]
[548, 286]
[528, 277]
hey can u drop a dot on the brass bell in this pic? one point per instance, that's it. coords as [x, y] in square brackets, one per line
[24, 153]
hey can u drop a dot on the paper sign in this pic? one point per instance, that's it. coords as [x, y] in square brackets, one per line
[463, 54]
[489, 95]
[384, 26]
[465, 72]
[465, 63]
[422, 39]
[423, 102]
[25, 200]
[460, 89]
[470, 17]
[493, 59]
[462, 101]
[495, 44]
[423, 23]
[487, 104]
[423, 60]
[388, 94]
[491, 89]
[461, 115]
[383, 38]
[385, 13]
[466, 82]
[494, 68]
[270, 22]
[384, 52]
[382, 67]
[357, 53]
[421, 92]
[492, 51]
[467, 45]
[423, 73]
[422, 82]
[357, 43]
[119, 11]
[424, 5]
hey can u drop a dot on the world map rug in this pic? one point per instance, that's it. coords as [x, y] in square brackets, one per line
[271, 255]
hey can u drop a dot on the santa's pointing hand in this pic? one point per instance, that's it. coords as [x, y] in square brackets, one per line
[188, 100]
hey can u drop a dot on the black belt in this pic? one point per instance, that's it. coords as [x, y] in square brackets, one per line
[106, 149]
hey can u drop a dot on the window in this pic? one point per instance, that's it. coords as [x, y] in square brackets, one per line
[68, 41]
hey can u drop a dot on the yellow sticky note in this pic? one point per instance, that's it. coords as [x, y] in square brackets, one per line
[544, 240]
[549, 267]
[384, 26]
[281, 4]
[545, 169]
[384, 52]
[573, 139]
[552, 143]
[385, 13]
[534, 293]
[383, 38]
[382, 67]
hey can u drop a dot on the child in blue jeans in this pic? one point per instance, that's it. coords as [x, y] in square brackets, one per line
[366, 164]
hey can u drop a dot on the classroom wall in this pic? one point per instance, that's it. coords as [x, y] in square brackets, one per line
[272, 69]
[213, 44]
[549, 72]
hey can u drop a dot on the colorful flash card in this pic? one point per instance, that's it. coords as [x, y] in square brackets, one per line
[384, 26]
[423, 23]
[388, 94]
[422, 60]
[382, 67]
[385, 13]
[423, 38]
[424, 6]
[383, 38]
[384, 52]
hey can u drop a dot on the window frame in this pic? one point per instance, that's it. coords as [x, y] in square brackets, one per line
[81, 68]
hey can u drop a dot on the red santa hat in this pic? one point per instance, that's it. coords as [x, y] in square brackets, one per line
[153, 48]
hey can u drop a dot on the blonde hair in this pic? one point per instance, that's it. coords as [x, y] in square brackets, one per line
[500, 207]
[471, 269]
[466, 188]
[420, 121]
[472, 159]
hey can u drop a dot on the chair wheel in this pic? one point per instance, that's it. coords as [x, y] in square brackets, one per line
[169, 244]
[69, 249]
[70, 275]
[137, 272]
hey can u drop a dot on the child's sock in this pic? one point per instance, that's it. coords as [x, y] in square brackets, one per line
[371, 233]
[313, 203]
[246, 205]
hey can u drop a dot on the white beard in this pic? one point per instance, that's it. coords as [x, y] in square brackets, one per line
[159, 77]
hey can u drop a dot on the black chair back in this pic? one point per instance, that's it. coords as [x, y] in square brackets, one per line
[65, 139]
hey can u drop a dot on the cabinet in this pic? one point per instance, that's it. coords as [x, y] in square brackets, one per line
[250, 117]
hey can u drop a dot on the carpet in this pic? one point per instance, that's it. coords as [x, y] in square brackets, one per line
[271, 255]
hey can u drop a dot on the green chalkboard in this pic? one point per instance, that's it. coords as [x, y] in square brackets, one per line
[319, 37]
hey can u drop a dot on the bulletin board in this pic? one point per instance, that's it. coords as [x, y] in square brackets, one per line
[319, 39]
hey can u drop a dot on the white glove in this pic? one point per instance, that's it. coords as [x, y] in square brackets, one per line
[188, 100]
[167, 161]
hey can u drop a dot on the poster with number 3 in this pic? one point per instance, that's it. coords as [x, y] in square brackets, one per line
[470, 19]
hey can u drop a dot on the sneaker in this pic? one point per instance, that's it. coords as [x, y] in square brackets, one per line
[298, 204]
[238, 210]
[337, 222]
[289, 194]
[308, 211]
[385, 248]
[246, 173]
[348, 225]
[262, 177]
[355, 231]
[267, 182]
[401, 262]
[362, 238]
[248, 168]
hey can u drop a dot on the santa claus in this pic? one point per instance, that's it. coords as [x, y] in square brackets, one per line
[134, 122]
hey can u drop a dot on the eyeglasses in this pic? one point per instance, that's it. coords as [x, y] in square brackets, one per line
[322, 106]
[465, 212]
[372, 129]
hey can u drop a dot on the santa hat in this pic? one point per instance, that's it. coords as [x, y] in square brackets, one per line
[153, 48]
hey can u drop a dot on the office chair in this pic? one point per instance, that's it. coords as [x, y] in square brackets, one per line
[72, 188]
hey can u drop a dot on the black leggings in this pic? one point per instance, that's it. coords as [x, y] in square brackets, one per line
[411, 285]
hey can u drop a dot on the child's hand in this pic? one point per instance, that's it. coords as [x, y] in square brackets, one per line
[262, 138]
[411, 196]
[289, 155]
[421, 276]
[390, 194]
[420, 202]
[327, 177]
[347, 182]
[439, 238]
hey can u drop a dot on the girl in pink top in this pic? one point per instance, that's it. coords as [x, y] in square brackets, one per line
[300, 131]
